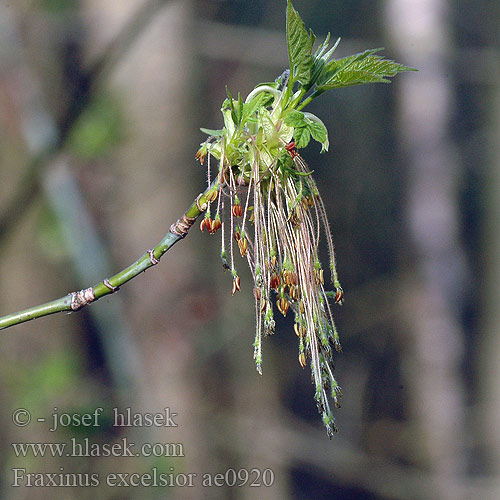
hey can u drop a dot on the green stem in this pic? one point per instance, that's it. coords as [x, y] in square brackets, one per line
[149, 259]
[297, 99]
[288, 91]
[305, 102]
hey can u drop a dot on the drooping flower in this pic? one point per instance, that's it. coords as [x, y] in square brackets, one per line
[275, 219]
[275, 212]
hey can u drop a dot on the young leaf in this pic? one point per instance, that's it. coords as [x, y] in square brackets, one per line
[285, 133]
[294, 119]
[317, 129]
[300, 44]
[249, 108]
[318, 132]
[267, 124]
[235, 111]
[240, 108]
[215, 133]
[366, 67]
[302, 136]
[228, 122]
[320, 59]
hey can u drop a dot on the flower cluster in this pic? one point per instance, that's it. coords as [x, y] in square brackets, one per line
[276, 214]
[275, 218]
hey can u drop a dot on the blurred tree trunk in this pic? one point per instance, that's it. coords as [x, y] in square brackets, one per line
[151, 189]
[431, 295]
[489, 361]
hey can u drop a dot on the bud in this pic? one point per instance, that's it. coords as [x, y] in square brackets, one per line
[236, 285]
[283, 305]
[215, 225]
[289, 277]
[243, 245]
[263, 306]
[319, 276]
[212, 195]
[300, 331]
[302, 360]
[339, 296]
[275, 281]
[292, 150]
[206, 223]
[201, 155]
[293, 291]
[237, 210]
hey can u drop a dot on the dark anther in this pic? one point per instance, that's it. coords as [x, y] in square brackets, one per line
[292, 149]
[81, 298]
[108, 285]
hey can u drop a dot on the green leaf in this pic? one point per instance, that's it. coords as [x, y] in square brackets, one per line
[321, 58]
[285, 134]
[302, 136]
[236, 110]
[317, 129]
[318, 132]
[239, 109]
[249, 108]
[300, 44]
[366, 67]
[227, 113]
[294, 119]
[267, 125]
[215, 133]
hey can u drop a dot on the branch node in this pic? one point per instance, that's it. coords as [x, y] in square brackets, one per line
[108, 285]
[203, 206]
[182, 226]
[152, 258]
[82, 298]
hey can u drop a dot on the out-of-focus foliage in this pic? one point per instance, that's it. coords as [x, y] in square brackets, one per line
[99, 130]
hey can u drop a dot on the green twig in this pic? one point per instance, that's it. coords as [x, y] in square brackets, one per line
[75, 301]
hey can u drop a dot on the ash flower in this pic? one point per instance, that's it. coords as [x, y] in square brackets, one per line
[275, 218]
[275, 212]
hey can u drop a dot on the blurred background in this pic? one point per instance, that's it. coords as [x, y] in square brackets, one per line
[100, 108]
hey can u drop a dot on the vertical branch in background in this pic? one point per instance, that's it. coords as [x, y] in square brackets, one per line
[431, 298]
[46, 141]
[490, 349]
[49, 170]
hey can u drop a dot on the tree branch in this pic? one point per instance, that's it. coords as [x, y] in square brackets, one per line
[75, 301]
